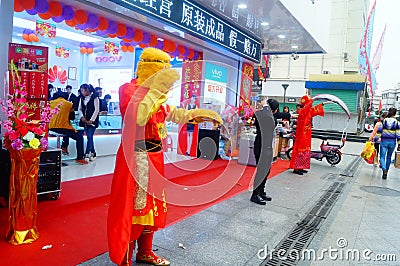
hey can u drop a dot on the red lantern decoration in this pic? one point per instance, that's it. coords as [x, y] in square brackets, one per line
[121, 30]
[80, 17]
[70, 23]
[103, 24]
[138, 36]
[55, 9]
[153, 41]
[17, 6]
[131, 49]
[45, 16]
[83, 50]
[27, 4]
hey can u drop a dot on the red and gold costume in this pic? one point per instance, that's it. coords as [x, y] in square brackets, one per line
[301, 154]
[138, 202]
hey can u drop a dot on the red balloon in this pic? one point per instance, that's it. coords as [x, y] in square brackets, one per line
[83, 50]
[27, 4]
[55, 9]
[80, 17]
[138, 36]
[17, 6]
[181, 49]
[153, 40]
[45, 16]
[89, 50]
[112, 35]
[103, 24]
[191, 54]
[124, 48]
[131, 49]
[127, 40]
[70, 23]
[121, 30]
[142, 45]
[169, 46]
[36, 38]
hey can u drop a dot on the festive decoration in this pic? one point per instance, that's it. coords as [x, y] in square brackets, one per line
[86, 47]
[45, 29]
[21, 132]
[62, 52]
[57, 72]
[111, 47]
[127, 47]
[30, 35]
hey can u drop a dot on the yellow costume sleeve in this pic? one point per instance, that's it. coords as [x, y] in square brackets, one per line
[149, 105]
[159, 85]
[180, 115]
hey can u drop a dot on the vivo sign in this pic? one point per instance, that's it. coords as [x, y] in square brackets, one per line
[107, 59]
[217, 73]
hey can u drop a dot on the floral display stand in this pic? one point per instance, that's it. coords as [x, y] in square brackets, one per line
[23, 196]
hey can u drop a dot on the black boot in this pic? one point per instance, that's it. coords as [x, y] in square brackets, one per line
[297, 172]
[384, 174]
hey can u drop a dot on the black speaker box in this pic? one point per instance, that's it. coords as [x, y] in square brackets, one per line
[208, 144]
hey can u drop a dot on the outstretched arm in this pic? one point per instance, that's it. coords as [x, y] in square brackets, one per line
[180, 115]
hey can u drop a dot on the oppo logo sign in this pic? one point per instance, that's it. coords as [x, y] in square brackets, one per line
[106, 59]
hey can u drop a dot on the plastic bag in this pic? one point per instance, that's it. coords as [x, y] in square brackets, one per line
[368, 153]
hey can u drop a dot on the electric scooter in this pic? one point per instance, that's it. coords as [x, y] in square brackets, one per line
[332, 152]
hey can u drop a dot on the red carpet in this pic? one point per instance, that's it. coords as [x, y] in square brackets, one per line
[75, 224]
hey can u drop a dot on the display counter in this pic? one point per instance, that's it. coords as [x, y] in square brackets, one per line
[246, 146]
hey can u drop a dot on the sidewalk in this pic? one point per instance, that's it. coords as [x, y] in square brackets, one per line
[234, 231]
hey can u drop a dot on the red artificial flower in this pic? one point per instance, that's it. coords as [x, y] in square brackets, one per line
[37, 130]
[21, 126]
[14, 135]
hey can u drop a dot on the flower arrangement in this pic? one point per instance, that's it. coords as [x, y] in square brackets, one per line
[21, 131]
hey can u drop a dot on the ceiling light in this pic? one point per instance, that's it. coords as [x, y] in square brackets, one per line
[54, 42]
[19, 34]
[264, 23]
[294, 47]
[281, 36]
[242, 6]
[27, 24]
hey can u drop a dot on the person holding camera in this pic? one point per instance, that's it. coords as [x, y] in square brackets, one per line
[89, 108]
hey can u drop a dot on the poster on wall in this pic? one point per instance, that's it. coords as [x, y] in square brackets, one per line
[190, 99]
[245, 90]
[45, 29]
[31, 62]
[111, 47]
[215, 84]
[62, 52]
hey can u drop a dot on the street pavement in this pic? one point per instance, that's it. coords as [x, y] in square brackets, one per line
[363, 219]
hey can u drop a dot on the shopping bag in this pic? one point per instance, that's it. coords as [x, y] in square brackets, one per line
[397, 159]
[368, 153]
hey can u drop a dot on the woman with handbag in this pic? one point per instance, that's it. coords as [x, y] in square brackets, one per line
[377, 141]
[89, 108]
[389, 132]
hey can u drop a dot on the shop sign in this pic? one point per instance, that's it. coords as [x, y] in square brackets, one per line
[106, 59]
[200, 22]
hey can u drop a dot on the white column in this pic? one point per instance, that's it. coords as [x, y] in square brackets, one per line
[6, 28]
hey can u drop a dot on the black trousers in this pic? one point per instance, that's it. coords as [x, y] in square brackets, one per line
[259, 186]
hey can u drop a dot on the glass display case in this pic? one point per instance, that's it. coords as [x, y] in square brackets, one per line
[108, 124]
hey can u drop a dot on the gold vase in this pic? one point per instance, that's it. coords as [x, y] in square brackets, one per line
[23, 196]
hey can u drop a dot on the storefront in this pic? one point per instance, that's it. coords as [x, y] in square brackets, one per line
[100, 43]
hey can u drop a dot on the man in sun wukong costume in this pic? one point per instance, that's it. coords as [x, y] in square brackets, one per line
[138, 202]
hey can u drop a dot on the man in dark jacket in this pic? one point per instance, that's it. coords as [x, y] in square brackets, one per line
[265, 125]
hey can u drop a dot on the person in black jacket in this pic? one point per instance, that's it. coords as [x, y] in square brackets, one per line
[265, 125]
[89, 108]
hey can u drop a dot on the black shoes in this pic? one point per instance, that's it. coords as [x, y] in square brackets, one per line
[304, 171]
[258, 200]
[297, 172]
[384, 174]
[265, 197]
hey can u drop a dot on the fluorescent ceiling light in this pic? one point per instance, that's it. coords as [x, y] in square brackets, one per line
[264, 23]
[242, 6]
[54, 42]
[281, 36]
[27, 24]
[294, 47]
